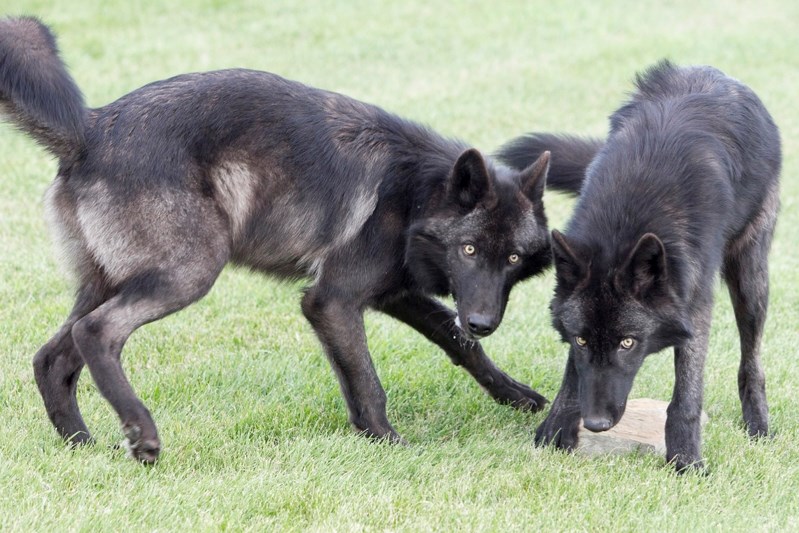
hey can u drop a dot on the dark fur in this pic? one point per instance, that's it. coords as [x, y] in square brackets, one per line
[685, 187]
[157, 191]
[570, 156]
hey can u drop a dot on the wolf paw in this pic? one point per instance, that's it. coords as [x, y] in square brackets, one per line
[391, 438]
[78, 439]
[379, 432]
[518, 395]
[757, 429]
[696, 467]
[686, 462]
[145, 450]
[557, 432]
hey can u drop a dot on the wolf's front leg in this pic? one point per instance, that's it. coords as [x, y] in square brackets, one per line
[437, 322]
[683, 422]
[684, 414]
[339, 325]
[562, 423]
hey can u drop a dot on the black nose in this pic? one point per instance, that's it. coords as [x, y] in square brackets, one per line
[480, 325]
[597, 423]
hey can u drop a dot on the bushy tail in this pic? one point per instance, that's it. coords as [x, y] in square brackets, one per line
[36, 91]
[570, 157]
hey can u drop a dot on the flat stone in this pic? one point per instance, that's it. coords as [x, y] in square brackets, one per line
[641, 429]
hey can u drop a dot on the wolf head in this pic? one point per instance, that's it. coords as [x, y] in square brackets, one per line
[487, 231]
[613, 312]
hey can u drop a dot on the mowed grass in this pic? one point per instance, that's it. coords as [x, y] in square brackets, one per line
[254, 428]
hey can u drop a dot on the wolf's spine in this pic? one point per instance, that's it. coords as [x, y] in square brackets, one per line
[570, 157]
[36, 91]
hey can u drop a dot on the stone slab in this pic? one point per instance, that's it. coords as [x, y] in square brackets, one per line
[641, 429]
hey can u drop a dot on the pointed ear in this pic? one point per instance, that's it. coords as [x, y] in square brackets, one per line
[645, 269]
[534, 177]
[569, 267]
[469, 182]
[678, 332]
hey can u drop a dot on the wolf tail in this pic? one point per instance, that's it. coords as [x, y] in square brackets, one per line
[570, 157]
[36, 91]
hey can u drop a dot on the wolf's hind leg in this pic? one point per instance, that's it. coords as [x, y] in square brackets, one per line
[437, 322]
[57, 367]
[100, 336]
[746, 274]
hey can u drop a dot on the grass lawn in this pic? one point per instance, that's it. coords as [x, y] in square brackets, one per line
[253, 426]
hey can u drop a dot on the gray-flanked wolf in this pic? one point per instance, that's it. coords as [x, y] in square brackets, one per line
[157, 191]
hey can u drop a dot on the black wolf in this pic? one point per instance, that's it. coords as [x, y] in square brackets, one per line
[684, 187]
[157, 191]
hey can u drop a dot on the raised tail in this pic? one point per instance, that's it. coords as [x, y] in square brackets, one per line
[36, 91]
[570, 157]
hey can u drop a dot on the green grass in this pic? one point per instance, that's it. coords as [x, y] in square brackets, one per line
[254, 429]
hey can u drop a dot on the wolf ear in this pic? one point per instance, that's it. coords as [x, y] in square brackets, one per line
[569, 267]
[534, 177]
[678, 332]
[645, 269]
[470, 182]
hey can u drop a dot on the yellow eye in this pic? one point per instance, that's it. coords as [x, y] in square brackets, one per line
[627, 343]
[513, 259]
[580, 341]
[469, 249]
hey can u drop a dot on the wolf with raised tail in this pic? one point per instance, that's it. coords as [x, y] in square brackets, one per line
[684, 187]
[159, 190]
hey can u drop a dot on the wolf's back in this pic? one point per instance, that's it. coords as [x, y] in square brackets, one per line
[36, 91]
[570, 157]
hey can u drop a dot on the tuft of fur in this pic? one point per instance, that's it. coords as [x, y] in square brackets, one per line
[35, 88]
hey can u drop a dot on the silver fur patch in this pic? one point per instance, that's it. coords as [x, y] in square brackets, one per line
[235, 186]
[142, 232]
[68, 243]
[360, 208]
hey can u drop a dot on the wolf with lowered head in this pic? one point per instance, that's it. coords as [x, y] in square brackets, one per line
[684, 187]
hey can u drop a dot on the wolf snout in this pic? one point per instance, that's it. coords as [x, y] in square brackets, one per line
[480, 325]
[597, 423]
